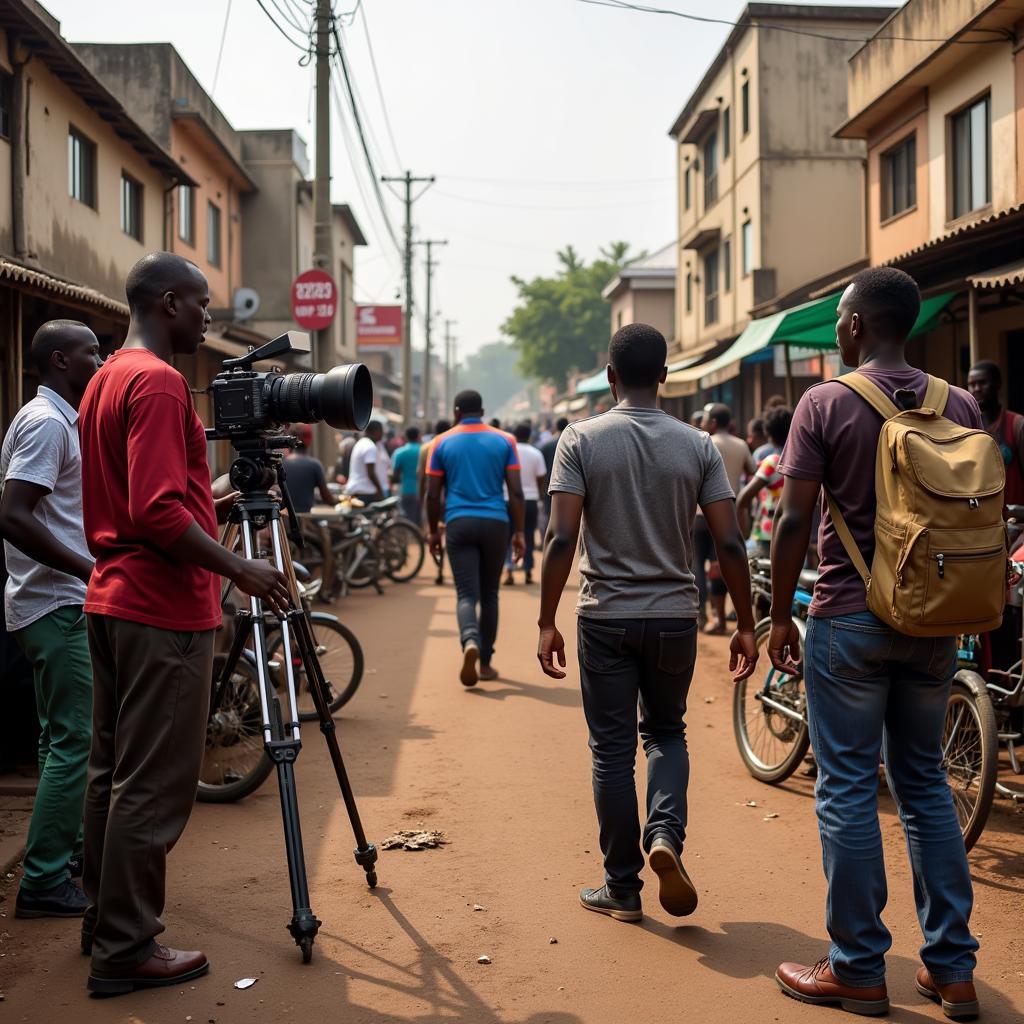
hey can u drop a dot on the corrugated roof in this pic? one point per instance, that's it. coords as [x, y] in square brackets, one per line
[1001, 277]
[10, 270]
[958, 232]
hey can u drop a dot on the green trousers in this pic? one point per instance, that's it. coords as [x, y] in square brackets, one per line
[57, 646]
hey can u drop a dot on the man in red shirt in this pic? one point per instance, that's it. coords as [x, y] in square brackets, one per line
[153, 605]
[984, 382]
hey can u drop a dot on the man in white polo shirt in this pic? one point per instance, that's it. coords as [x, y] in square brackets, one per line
[48, 565]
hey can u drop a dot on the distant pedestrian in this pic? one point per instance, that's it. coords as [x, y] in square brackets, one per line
[441, 427]
[548, 449]
[48, 566]
[342, 467]
[366, 479]
[404, 467]
[765, 487]
[533, 474]
[634, 477]
[472, 462]
[865, 681]
[985, 381]
[756, 435]
[304, 474]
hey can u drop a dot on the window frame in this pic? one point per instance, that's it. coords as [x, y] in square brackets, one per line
[214, 216]
[187, 215]
[79, 146]
[747, 247]
[726, 133]
[887, 177]
[709, 148]
[689, 291]
[964, 114]
[745, 108]
[6, 104]
[687, 187]
[131, 203]
[712, 271]
[727, 265]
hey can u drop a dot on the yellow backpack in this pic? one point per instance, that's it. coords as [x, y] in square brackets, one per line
[940, 560]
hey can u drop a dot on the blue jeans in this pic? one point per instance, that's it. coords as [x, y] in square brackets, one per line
[865, 681]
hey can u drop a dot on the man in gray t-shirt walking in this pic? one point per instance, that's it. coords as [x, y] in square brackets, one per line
[634, 477]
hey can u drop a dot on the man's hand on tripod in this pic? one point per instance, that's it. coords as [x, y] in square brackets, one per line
[222, 506]
[260, 579]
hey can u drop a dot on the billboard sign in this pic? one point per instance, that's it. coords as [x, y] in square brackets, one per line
[314, 300]
[378, 326]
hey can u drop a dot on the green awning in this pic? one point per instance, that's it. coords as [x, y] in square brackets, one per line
[593, 385]
[811, 325]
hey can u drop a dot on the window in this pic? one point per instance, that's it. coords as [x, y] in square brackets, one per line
[618, 319]
[711, 170]
[747, 243]
[727, 265]
[972, 178]
[726, 133]
[131, 207]
[686, 188]
[81, 168]
[745, 108]
[6, 100]
[187, 214]
[689, 293]
[711, 287]
[213, 234]
[899, 177]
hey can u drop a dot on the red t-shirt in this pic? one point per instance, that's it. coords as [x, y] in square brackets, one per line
[145, 480]
[834, 440]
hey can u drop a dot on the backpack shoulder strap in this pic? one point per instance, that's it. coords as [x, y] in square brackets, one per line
[937, 395]
[870, 392]
[848, 542]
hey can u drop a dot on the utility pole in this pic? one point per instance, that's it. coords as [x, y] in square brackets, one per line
[408, 181]
[323, 241]
[449, 342]
[429, 243]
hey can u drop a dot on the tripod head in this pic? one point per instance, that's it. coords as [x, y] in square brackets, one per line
[258, 467]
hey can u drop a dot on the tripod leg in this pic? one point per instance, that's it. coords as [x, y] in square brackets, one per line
[282, 744]
[365, 852]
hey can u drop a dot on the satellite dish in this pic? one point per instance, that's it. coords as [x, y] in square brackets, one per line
[246, 302]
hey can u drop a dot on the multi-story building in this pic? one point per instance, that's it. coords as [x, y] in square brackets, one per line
[944, 128]
[768, 198]
[82, 187]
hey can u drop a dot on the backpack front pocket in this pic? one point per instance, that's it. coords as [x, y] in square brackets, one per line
[964, 575]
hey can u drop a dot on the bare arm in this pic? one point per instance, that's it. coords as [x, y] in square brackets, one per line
[18, 526]
[559, 551]
[517, 509]
[434, 484]
[745, 499]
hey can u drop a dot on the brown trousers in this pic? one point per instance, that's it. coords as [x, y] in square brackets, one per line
[151, 697]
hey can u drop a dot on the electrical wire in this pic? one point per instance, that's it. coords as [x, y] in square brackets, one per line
[220, 49]
[298, 46]
[549, 209]
[566, 183]
[623, 5]
[290, 18]
[380, 91]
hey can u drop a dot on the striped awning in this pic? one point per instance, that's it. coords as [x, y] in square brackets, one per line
[1000, 277]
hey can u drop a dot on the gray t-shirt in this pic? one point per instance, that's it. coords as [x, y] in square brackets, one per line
[41, 447]
[642, 474]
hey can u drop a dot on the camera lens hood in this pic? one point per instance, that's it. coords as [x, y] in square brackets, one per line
[343, 397]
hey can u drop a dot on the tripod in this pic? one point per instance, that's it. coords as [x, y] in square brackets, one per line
[256, 469]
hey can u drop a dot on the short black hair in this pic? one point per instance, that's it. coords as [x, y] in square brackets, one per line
[756, 425]
[777, 424]
[496, 423]
[888, 299]
[638, 353]
[373, 426]
[469, 403]
[523, 433]
[412, 434]
[50, 338]
[720, 413]
[561, 424]
[442, 426]
[992, 369]
[156, 274]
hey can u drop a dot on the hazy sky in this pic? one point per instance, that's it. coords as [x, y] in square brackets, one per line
[545, 122]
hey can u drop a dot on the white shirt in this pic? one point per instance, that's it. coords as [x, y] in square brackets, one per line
[41, 448]
[532, 465]
[363, 468]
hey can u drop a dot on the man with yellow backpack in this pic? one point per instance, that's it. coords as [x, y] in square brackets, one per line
[913, 552]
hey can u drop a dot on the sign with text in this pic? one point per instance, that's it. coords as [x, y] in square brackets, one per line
[314, 299]
[378, 326]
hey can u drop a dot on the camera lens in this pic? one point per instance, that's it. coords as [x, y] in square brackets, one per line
[342, 397]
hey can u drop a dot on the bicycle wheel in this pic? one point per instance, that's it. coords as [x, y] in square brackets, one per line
[341, 661]
[772, 738]
[362, 567]
[402, 550]
[234, 762]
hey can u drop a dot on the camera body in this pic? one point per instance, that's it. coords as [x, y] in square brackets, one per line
[248, 404]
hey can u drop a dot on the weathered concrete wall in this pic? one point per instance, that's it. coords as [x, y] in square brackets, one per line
[655, 307]
[6, 225]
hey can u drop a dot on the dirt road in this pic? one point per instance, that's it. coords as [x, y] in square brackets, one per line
[504, 770]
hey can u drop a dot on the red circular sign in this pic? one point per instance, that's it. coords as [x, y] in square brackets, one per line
[314, 299]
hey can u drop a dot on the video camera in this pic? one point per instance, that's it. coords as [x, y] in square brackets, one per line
[247, 404]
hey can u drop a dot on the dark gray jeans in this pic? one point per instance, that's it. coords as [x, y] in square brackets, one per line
[624, 662]
[476, 551]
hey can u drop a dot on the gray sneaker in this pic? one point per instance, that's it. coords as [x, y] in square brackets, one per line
[625, 908]
[470, 656]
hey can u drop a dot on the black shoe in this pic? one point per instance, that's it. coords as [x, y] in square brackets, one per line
[64, 900]
[529, 578]
[75, 865]
[677, 894]
[601, 901]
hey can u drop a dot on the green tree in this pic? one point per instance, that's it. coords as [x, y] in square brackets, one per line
[561, 323]
[492, 370]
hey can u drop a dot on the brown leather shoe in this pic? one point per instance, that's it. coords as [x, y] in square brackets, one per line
[165, 967]
[819, 986]
[676, 892]
[959, 1001]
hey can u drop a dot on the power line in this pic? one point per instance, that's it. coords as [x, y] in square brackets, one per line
[306, 49]
[568, 183]
[548, 209]
[290, 19]
[380, 91]
[220, 49]
[1004, 35]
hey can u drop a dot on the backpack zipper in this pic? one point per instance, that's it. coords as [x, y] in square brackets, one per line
[941, 557]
